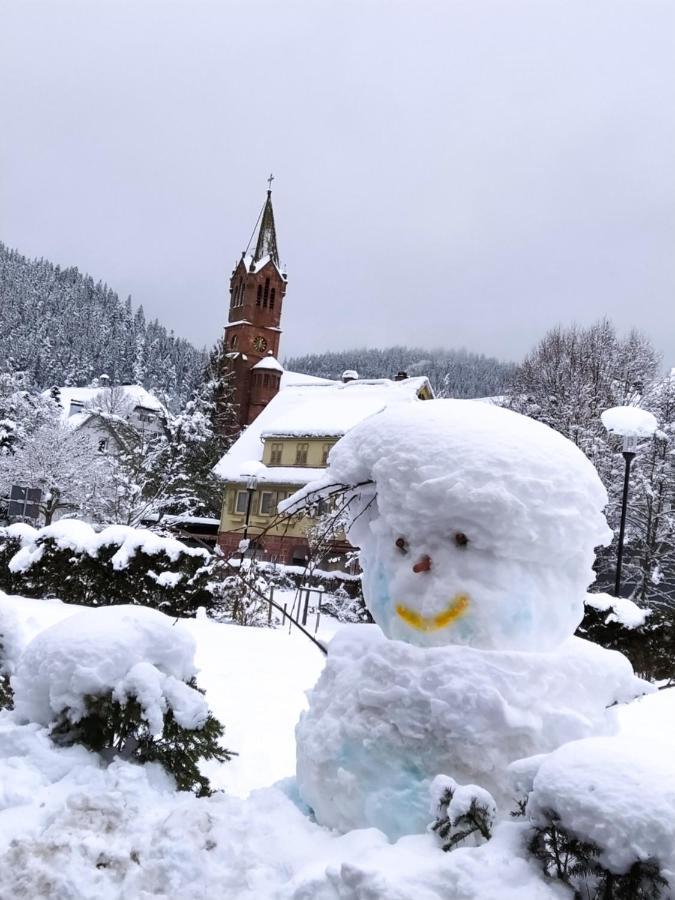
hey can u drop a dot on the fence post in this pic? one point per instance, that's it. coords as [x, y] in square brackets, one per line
[306, 609]
[283, 619]
[269, 606]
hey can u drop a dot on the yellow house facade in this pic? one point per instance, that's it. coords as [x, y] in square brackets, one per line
[285, 448]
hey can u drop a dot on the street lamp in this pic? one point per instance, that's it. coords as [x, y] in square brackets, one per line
[630, 423]
[251, 485]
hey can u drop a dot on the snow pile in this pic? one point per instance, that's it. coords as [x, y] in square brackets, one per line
[129, 650]
[629, 421]
[71, 827]
[386, 717]
[80, 537]
[478, 526]
[617, 793]
[618, 609]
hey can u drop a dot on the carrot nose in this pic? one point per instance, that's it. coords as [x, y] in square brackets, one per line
[423, 564]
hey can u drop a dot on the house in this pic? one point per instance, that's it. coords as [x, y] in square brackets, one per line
[127, 403]
[130, 403]
[286, 447]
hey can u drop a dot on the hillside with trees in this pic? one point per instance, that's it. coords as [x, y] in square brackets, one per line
[452, 373]
[59, 326]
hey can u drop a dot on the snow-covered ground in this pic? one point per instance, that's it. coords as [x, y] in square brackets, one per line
[73, 829]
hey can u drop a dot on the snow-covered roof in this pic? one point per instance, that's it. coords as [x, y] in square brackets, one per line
[311, 407]
[253, 266]
[134, 394]
[269, 362]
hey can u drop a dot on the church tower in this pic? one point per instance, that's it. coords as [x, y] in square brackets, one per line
[257, 290]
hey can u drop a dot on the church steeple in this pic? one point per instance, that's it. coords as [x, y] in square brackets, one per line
[257, 290]
[266, 245]
[266, 241]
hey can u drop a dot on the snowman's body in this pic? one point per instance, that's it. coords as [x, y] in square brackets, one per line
[477, 529]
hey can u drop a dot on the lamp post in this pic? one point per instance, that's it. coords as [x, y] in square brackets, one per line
[251, 485]
[628, 451]
[630, 423]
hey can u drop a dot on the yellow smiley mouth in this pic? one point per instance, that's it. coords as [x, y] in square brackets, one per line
[434, 623]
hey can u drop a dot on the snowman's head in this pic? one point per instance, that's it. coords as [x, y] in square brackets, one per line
[479, 525]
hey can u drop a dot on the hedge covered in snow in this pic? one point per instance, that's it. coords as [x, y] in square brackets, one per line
[119, 564]
[120, 681]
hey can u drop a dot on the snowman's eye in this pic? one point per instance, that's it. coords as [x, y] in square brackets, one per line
[402, 544]
[461, 539]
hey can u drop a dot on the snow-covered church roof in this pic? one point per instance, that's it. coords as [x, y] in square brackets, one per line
[310, 407]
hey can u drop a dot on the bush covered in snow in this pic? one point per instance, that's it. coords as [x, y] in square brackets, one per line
[116, 565]
[645, 636]
[463, 812]
[344, 607]
[121, 682]
[603, 811]
[239, 595]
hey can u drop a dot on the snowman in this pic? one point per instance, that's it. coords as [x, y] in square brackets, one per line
[477, 530]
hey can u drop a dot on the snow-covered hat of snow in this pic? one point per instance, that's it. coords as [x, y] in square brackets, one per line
[480, 499]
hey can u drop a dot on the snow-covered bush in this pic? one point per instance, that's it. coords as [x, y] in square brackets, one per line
[344, 607]
[10, 649]
[603, 811]
[462, 811]
[121, 682]
[645, 636]
[238, 596]
[10, 544]
[117, 565]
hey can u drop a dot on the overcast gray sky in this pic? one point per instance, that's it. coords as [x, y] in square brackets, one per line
[448, 173]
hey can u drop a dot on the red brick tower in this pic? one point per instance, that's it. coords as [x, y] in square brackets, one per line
[257, 289]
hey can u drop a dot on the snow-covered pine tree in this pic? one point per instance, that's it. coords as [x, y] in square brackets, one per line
[60, 327]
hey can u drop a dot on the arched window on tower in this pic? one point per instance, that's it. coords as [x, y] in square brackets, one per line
[234, 342]
[241, 293]
[259, 297]
[272, 296]
[266, 293]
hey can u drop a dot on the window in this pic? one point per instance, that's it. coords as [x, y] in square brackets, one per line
[301, 454]
[272, 295]
[259, 297]
[103, 445]
[76, 406]
[241, 503]
[267, 503]
[234, 341]
[266, 291]
[325, 450]
[145, 417]
[275, 455]
[24, 502]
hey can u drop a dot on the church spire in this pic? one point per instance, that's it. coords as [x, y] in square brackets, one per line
[266, 244]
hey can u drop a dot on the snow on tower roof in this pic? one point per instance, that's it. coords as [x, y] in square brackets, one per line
[269, 362]
[309, 407]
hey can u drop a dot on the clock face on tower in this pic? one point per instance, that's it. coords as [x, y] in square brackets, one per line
[260, 344]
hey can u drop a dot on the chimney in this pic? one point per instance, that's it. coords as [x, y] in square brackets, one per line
[400, 376]
[349, 375]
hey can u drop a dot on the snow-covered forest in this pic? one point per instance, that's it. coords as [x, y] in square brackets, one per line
[61, 327]
[452, 373]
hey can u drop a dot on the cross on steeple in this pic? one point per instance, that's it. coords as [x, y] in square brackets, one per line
[269, 183]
